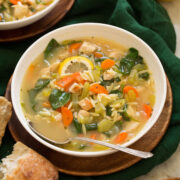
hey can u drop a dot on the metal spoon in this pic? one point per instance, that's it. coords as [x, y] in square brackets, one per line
[134, 152]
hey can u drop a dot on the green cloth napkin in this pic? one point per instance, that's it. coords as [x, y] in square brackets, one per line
[148, 20]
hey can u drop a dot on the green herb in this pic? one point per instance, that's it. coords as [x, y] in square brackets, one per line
[51, 47]
[82, 146]
[32, 9]
[106, 82]
[2, 8]
[124, 114]
[92, 126]
[120, 94]
[107, 133]
[129, 61]
[100, 59]
[117, 79]
[58, 98]
[144, 76]
[77, 125]
[69, 42]
[108, 110]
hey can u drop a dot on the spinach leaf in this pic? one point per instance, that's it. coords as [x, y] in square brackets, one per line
[106, 82]
[92, 126]
[124, 114]
[89, 127]
[120, 94]
[117, 79]
[108, 110]
[77, 125]
[51, 47]
[40, 84]
[58, 98]
[144, 76]
[129, 61]
[2, 8]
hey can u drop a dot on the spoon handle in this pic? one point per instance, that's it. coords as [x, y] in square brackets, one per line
[134, 152]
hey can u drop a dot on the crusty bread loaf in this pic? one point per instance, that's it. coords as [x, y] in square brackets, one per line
[5, 115]
[26, 164]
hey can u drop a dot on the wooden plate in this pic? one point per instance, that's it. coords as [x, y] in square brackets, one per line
[88, 166]
[39, 26]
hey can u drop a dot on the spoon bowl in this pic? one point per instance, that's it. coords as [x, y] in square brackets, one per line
[133, 152]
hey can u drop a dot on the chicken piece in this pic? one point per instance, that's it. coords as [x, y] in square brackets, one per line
[75, 88]
[109, 74]
[46, 72]
[88, 48]
[64, 55]
[1, 1]
[86, 104]
[20, 11]
[114, 54]
[83, 113]
[130, 126]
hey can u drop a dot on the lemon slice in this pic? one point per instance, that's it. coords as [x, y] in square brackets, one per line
[75, 64]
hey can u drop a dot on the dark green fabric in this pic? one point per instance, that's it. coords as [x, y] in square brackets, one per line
[148, 20]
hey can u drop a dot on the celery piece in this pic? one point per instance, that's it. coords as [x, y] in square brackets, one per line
[99, 108]
[130, 96]
[96, 74]
[105, 125]
[85, 91]
[75, 101]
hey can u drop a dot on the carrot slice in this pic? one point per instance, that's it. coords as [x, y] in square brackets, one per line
[108, 63]
[147, 109]
[46, 104]
[65, 82]
[78, 78]
[98, 55]
[98, 89]
[14, 1]
[93, 136]
[67, 116]
[74, 47]
[127, 88]
[121, 137]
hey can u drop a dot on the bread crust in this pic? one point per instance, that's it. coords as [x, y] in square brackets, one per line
[31, 166]
[5, 115]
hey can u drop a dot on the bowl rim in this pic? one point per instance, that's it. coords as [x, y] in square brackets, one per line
[26, 19]
[21, 117]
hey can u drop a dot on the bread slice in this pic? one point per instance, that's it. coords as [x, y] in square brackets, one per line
[5, 115]
[26, 164]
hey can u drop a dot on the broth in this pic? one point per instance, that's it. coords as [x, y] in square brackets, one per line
[88, 87]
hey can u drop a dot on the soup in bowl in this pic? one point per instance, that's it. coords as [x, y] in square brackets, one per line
[90, 85]
[19, 13]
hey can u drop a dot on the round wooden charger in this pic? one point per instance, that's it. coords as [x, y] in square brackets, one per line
[94, 166]
[40, 26]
